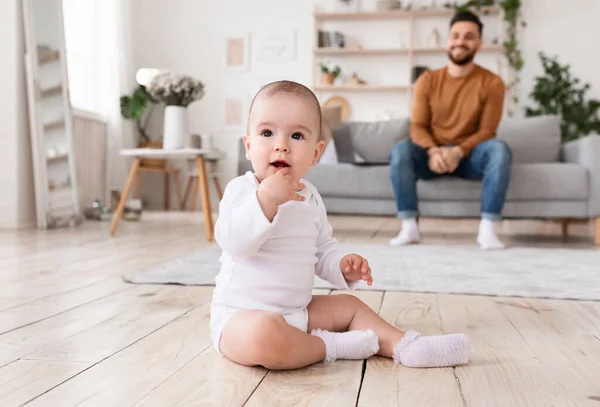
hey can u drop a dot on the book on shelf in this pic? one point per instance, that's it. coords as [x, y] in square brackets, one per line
[331, 39]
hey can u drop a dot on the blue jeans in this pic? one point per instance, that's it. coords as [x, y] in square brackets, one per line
[490, 161]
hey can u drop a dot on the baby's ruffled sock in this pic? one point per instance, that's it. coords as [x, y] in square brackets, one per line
[415, 350]
[348, 345]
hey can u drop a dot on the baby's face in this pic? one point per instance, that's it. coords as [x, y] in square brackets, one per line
[283, 131]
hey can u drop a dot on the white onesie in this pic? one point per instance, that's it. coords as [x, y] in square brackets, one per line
[271, 266]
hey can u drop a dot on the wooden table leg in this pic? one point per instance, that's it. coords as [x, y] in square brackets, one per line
[194, 192]
[218, 187]
[117, 215]
[205, 197]
[186, 193]
[597, 231]
[137, 191]
[178, 188]
[167, 190]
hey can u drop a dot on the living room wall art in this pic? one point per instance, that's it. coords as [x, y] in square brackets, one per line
[275, 46]
[235, 109]
[237, 52]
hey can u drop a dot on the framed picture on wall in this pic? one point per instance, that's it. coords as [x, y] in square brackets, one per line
[236, 56]
[235, 108]
[275, 46]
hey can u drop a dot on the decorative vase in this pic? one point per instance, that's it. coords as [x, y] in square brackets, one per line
[175, 129]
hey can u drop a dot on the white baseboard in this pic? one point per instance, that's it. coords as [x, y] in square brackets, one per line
[30, 224]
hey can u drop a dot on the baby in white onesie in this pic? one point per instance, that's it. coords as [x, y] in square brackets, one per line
[275, 237]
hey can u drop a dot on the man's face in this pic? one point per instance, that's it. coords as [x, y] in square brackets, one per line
[283, 133]
[463, 42]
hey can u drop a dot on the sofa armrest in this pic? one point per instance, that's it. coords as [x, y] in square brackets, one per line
[585, 151]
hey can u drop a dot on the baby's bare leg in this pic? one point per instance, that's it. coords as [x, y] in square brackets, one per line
[341, 313]
[260, 338]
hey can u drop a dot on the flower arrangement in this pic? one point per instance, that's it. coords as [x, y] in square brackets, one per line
[175, 90]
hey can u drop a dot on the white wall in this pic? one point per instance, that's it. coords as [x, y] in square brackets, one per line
[17, 206]
[567, 29]
[187, 36]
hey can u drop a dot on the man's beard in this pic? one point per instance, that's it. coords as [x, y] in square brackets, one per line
[462, 60]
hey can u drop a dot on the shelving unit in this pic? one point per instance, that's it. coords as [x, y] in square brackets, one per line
[400, 14]
[50, 115]
[362, 88]
[409, 18]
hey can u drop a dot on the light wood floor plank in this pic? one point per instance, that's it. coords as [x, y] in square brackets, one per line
[336, 384]
[502, 363]
[553, 331]
[30, 338]
[46, 307]
[108, 337]
[388, 384]
[130, 375]
[208, 380]
[24, 378]
[52, 281]
[71, 278]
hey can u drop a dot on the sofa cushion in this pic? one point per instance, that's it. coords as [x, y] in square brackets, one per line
[554, 181]
[373, 141]
[532, 139]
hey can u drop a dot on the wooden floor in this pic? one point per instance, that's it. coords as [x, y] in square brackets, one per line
[72, 333]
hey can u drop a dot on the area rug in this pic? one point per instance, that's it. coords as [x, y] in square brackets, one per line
[515, 272]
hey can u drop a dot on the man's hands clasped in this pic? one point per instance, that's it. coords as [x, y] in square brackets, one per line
[444, 159]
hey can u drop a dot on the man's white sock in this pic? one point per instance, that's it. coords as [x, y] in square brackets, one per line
[409, 233]
[487, 237]
[348, 345]
[415, 350]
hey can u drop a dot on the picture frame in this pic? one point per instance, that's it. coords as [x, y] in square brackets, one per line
[235, 111]
[236, 53]
[275, 46]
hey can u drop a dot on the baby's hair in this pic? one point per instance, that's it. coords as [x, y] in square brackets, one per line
[292, 88]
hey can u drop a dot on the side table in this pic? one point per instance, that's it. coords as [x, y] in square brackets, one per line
[184, 153]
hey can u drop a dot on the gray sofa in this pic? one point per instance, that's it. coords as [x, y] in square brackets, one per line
[548, 179]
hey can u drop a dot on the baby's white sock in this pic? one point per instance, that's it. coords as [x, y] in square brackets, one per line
[487, 238]
[415, 350]
[348, 345]
[408, 234]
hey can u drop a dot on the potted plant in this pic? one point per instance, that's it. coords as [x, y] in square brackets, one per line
[177, 92]
[559, 92]
[329, 73]
[138, 106]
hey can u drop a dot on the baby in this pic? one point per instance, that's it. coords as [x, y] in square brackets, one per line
[275, 237]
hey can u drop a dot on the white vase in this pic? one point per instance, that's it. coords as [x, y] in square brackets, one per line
[175, 129]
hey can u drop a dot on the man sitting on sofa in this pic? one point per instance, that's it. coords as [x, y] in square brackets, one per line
[456, 112]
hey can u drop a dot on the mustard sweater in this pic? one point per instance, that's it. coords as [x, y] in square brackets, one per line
[461, 111]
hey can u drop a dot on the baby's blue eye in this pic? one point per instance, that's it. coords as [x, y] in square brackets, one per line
[297, 136]
[267, 133]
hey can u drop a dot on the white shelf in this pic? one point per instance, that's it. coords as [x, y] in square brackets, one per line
[395, 51]
[54, 90]
[362, 88]
[46, 57]
[54, 125]
[401, 14]
[58, 158]
[344, 51]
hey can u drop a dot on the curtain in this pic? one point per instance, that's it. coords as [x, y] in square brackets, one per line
[99, 60]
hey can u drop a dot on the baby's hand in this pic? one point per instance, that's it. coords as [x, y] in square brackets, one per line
[276, 190]
[355, 267]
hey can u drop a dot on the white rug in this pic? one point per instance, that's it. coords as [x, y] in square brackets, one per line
[516, 272]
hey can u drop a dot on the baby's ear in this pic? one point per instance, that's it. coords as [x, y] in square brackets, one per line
[246, 140]
[318, 151]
